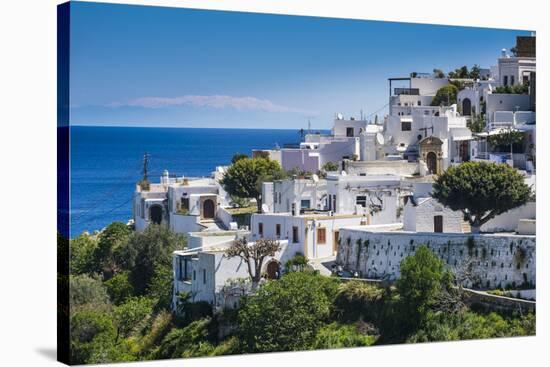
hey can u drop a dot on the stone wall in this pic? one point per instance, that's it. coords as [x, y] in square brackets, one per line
[484, 261]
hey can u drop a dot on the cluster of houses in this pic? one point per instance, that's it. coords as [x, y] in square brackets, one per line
[373, 207]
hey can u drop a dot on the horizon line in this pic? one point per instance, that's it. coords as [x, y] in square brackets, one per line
[192, 127]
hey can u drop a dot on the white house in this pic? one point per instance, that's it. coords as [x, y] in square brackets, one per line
[314, 234]
[295, 195]
[206, 272]
[374, 196]
[184, 205]
[425, 214]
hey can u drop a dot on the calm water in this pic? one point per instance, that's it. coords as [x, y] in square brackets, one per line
[106, 162]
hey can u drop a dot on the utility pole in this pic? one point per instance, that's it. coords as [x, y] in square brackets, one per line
[146, 157]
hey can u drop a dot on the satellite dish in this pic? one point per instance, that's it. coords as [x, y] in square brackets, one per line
[315, 178]
[339, 116]
[265, 208]
[380, 139]
[344, 173]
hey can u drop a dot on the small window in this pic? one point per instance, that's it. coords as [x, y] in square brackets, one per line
[505, 81]
[204, 276]
[361, 200]
[512, 80]
[194, 275]
[305, 204]
[321, 236]
[278, 230]
[406, 126]
[349, 132]
[261, 229]
[295, 235]
[419, 103]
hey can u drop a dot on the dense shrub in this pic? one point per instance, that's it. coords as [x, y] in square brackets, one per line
[119, 288]
[356, 299]
[335, 335]
[285, 314]
[87, 291]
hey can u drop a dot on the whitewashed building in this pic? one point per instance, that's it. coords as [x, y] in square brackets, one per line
[207, 274]
[314, 234]
[184, 205]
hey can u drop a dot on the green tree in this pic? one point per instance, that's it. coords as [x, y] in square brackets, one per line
[160, 287]
[238, 156]
[92, 331]
[506, 139]
[423, 278]
[253, 255]
[110, 241]
[285, 315]
[460, 73]
[82, 254]
[129, 314]
[87, 291]
[147, 252]
[445, 95]
[244, 177]
[515, 89]
[481, 190]
[475, 72]
[477, 123]
[438, 73]
[119, 288]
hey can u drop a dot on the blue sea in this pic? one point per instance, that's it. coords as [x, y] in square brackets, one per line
[106, 163]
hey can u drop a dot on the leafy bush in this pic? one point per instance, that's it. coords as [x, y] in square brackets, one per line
[192, 341]
[148, 252]
[481, 190]
[357, 300]
[285, 314]
[87, 291]
[119, 288]
[330, 167]
[91, 332]
[82, 252]
[298, 263]
[335, 335]
[423, 278]
[110, 241]
[440, 326]
[445, 96]
[129, 314]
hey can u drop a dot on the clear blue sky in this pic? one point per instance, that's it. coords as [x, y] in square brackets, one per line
[155, 66]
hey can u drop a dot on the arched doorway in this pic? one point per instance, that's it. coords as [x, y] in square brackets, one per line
[208, 209]
[466, 107]
[156, 214]
[431, 162]
[273, 270]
